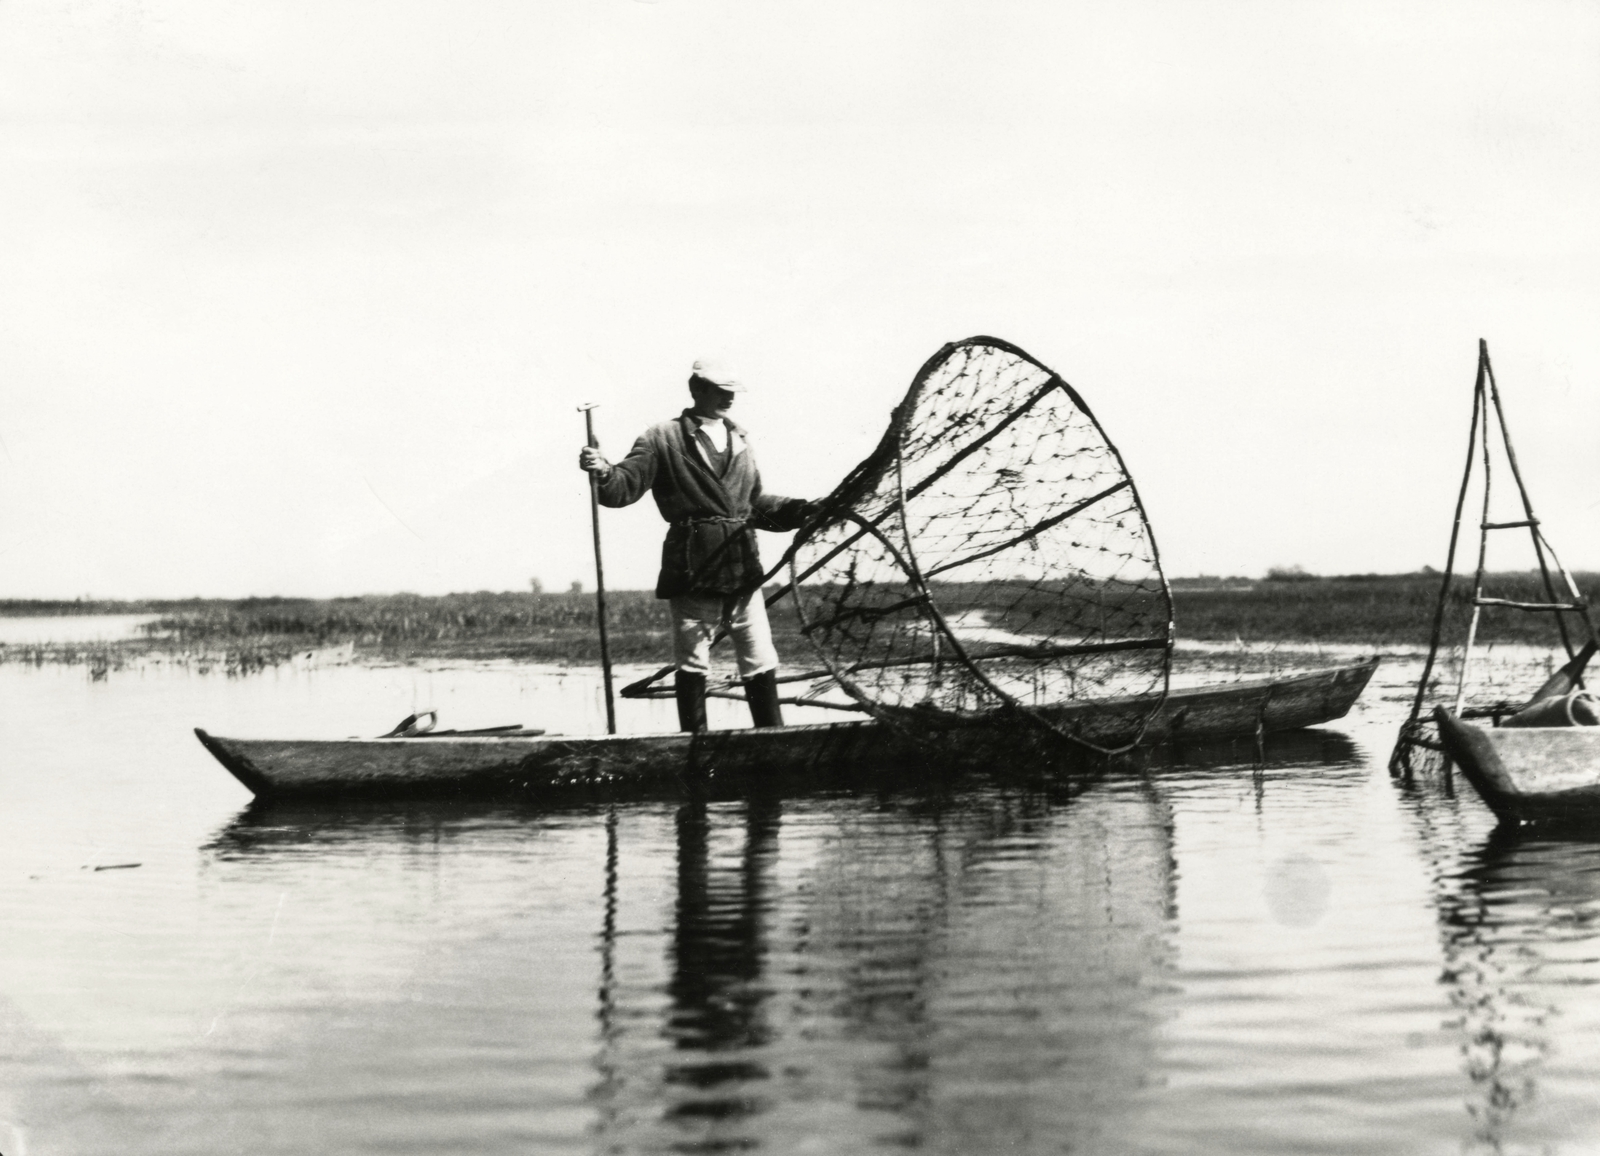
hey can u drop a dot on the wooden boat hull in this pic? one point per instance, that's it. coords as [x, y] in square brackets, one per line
[1528, 774]
[280, 768]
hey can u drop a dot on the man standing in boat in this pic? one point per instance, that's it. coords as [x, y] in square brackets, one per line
[703, 475]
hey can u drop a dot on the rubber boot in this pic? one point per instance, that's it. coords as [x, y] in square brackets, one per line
[761, 692]
[691, 692]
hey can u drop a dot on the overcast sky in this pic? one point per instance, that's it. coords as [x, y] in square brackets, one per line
[299, 298]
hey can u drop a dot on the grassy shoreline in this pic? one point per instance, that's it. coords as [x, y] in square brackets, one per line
[1393, 610]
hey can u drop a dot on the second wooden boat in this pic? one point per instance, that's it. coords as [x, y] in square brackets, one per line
[1528, 774]
[1540, 759]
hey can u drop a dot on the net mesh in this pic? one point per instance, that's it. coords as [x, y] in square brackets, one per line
[992, 554]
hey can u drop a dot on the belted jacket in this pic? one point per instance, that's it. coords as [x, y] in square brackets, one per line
[712, 507]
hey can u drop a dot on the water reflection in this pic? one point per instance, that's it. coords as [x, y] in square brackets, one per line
[951, 968]
[685, 1072]
[265, 828]
[1519, 920]
[944, 973]
[717, 957]
[1286, 750]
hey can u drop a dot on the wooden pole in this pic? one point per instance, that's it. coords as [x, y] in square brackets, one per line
[599, 573]
[1455, 535]
[1483, 535]
[1527, 504]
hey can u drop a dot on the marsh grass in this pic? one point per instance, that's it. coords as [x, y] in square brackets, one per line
[531, 627]
[1378, 609]
[242, 636]
[100, 659]
[73, 607]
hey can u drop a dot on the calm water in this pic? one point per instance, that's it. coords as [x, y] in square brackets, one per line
[1207, 957]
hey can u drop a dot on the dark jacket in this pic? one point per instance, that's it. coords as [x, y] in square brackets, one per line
[710, 547]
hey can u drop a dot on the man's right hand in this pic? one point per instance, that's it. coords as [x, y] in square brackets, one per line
[590, 459]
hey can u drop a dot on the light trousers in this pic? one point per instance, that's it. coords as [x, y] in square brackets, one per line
[696, 619]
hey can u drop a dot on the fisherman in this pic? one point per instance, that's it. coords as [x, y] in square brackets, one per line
[703, 474]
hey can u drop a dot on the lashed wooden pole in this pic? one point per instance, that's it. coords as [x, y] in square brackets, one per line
[599, 573]
[1527, 503]
[1410, 730]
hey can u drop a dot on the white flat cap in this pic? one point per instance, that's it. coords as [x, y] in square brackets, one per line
[717, 373]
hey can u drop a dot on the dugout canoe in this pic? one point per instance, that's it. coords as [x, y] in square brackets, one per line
[1528, 774]
[545, 764]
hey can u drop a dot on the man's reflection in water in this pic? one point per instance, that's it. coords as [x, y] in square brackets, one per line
[941, 974]
[718, 949]
[683, 1077]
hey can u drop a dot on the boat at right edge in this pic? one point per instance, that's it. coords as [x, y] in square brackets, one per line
[1528, 775]
[1535, 760]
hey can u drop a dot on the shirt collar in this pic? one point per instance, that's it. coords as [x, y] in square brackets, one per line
[699, 421]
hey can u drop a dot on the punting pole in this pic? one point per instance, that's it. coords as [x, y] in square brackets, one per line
[599, 573]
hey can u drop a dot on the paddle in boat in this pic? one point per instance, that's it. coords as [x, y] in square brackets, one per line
[1534, 761]
[984, 586]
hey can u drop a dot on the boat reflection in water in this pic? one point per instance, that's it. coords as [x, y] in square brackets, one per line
[1519, 921]
[979, 965]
